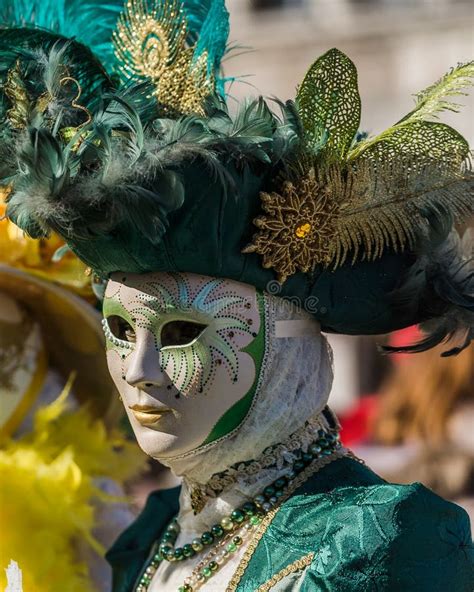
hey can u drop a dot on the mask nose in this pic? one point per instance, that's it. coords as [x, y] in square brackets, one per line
[144, 370]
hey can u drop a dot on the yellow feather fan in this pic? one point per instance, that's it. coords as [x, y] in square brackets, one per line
[47, 494]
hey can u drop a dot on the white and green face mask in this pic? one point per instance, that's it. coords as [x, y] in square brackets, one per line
[185, 352]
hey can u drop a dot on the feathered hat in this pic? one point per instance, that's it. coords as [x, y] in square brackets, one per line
[117, 136]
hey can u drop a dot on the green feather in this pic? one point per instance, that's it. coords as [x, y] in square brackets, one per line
[45, 57]
[90, 22]
[42, 176]
[433, 99]
[430, 102]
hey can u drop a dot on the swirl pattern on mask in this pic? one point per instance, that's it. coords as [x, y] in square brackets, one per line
[190, 367]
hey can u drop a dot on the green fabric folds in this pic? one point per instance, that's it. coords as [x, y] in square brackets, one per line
[365, 534]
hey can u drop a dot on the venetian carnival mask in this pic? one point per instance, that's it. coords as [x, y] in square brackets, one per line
[185, 352]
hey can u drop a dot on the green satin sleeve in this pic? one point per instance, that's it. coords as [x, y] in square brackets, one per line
[365, 537]
[433, 549]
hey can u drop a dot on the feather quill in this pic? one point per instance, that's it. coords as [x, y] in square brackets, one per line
[394, 204]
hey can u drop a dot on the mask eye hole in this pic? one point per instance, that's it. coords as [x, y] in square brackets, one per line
[121, 329]
[180, 332]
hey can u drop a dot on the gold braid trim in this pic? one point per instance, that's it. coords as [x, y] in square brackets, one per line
[15, 90]
[219, 482]
[295, 566]
[267, 520]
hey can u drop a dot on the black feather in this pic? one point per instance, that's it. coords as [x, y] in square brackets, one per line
[444, 284]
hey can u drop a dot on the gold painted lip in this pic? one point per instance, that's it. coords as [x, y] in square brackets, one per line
[147, 414]
[149, 409]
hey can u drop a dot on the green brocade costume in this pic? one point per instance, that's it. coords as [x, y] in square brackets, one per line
[343, 530]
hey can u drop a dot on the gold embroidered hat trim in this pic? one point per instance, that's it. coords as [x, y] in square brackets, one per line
[295, 233]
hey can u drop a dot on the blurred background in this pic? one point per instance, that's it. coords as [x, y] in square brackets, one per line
[399, 47]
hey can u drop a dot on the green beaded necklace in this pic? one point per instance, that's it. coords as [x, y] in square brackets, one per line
[228, 535]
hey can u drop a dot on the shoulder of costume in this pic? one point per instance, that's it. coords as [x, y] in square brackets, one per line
[131, 549]
[348, 483]
[433, 548]
[348, 529]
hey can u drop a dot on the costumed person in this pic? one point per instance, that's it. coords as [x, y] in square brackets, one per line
[228, 243]
[62, 458]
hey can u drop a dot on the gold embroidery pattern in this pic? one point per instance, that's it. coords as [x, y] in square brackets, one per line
[297, 565]
[150, 44]
[358, 209]
[22, 104]
[267, 520]
[296, 232]
[74, 102]
[15, 91]
[198, 500]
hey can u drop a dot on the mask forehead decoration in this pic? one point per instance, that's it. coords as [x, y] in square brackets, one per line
[196, 326]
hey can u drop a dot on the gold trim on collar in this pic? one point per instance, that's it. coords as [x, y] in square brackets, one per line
[267, 520]
[297, 565]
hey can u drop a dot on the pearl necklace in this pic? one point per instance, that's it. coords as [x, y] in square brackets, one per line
[225, 538]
